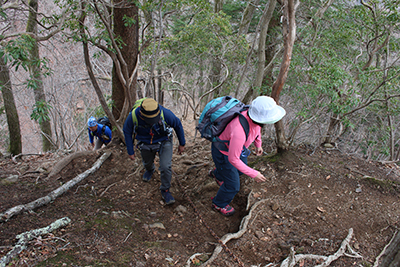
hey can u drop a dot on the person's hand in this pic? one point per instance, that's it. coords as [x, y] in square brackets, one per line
[260, 178]
[132, 157]
[181, 149]
[259, 151]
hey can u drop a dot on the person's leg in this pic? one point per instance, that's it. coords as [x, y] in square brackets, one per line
[98, 144]
[227, 173]
[148, 162]
[165, 155]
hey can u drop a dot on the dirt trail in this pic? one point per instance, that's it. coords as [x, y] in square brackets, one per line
[309, 202]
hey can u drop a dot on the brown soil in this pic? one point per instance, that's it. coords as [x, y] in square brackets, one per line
[311, 199]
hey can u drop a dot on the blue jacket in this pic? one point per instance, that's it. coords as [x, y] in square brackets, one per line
[98, 133]
[153, 134]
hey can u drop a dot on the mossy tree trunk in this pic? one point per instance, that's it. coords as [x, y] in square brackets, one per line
[15, 144]
[216, 67]
[36, 75]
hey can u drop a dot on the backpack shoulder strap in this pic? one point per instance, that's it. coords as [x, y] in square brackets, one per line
[135, 120]
[245, 124]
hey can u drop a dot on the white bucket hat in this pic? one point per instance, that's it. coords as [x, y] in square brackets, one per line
[264, 110]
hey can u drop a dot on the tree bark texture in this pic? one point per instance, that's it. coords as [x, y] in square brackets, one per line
[266, 18]
[391, 254]
[330, 137]
[289, 33]
[262, 30]
[247, 16]
[215, 74]
[129, 35]
[14, 130]
[270, 54]
[34, 69]
[92, 77]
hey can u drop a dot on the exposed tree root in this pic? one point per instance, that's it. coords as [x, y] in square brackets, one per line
[293, 259]
[390, 254]
[53, 194]
[27, 236]
[191, 258]
[65, 161]
[14, 158]
[242, 229]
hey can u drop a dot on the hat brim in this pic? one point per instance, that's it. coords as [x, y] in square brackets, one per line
[279, 114]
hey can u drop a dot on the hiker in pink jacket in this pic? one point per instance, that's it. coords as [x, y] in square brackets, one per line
[230, 158]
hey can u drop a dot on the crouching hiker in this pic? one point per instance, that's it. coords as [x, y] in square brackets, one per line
[102, 133]
[230, 156]
[151, 124]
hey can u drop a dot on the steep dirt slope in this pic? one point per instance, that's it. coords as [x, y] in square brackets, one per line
[311, 200]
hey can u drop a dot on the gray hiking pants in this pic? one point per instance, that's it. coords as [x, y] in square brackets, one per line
[164, 150]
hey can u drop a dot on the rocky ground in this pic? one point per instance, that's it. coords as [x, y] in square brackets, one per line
[313, 199]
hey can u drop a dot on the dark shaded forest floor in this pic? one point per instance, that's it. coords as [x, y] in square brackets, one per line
[311, 199]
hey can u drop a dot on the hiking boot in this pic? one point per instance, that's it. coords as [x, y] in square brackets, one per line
[168, 198]
[227, 211]
[212, 175]
[147, 176]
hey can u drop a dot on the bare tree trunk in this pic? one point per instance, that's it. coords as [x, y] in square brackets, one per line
[93, 78]
[330, 138]
[126, 72]
[266, 18]
[247, 16]
[14, 131]
[159, 86]
[289, 33]
[263, 29]
[129, 36]
[216, 64]
[35, 72]
[270, 54]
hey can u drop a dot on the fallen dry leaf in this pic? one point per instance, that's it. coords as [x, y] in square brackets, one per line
[256, 195]
[321, 209]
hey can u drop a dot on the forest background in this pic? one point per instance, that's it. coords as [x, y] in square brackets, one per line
[333, 65]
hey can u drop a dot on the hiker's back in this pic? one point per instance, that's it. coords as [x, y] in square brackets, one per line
[217, 114]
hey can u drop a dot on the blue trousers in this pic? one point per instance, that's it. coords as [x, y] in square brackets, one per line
[165, 155]
[227, 173]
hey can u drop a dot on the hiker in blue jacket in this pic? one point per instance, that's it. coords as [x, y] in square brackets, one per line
[151, 124]
[102, 132]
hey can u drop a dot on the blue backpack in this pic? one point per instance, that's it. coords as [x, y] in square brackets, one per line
[217, 114]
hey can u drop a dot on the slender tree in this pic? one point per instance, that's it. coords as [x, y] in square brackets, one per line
[36, 83]
[289, 35]
[14, 130]
[216, 62]
[254, 90]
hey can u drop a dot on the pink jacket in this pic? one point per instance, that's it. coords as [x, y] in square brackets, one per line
[234, 132]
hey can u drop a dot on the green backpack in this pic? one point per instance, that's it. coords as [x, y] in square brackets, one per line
[137, 104]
